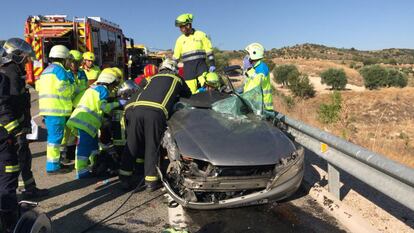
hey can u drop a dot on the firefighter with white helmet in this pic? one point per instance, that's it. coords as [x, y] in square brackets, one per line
[146, 117]
[87, 120]
[56, 88]
[193, 47]
[92, 71]
[257, 73]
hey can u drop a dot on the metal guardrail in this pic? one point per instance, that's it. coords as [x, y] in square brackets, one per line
[387, 176]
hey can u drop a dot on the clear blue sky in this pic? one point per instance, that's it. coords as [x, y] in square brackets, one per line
[363, 24]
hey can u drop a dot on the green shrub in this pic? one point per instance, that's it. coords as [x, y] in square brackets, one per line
[336, 78]
[300, 86]
[282, 73]
[396, 78]
[330, 113]
[374, 76]
[377, 76]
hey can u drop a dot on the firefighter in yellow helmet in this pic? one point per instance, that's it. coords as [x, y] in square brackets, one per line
[257, 73]
[192, 48]
[87, 119]
[56, 88]
[92, 71]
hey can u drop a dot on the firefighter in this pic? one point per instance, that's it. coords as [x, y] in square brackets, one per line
[56, 88]
[87, 119]
[21, 97]
[146, 115]
[92, 71]
[14, 122]
[193, 47]
[257, 73]
[149, 71]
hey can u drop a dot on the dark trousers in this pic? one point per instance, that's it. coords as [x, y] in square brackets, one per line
[25, 161]
[144, 129]
[9, 173]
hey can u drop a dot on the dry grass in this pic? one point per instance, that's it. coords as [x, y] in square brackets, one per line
[382, 120]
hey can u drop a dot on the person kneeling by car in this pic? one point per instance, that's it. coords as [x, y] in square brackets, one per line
[87, 119]
[146, 121]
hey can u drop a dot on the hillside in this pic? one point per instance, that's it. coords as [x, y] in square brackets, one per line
[307, 51]
[381, 120]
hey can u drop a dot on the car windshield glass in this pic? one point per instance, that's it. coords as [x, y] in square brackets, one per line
[240, 105]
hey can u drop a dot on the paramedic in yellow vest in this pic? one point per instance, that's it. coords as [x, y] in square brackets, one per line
[56, 88]
[67, 149]
[92, 71]
[257, 73]
[81, 80]
[87, 119]
[193, 47]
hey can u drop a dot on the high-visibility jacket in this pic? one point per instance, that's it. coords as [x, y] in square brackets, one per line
[81, 82]
[259, 76]
[195, 46]
[87, 115]
[161, 93]
[92, 73]
[56, 88]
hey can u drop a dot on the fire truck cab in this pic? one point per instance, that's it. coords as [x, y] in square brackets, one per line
[102, 37]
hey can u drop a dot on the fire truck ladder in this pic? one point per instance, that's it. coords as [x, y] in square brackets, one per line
[79, 27]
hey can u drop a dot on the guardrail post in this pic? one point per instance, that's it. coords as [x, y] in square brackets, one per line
[334, 184]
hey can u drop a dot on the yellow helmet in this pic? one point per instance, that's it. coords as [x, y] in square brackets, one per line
[88, 56]
[213, 80]
[183, 19]
[107, 76]
[255, 50]
[118, 72]
[76, 55]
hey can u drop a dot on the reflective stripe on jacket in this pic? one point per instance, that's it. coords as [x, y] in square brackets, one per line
[162, 92]
[56, 88]
[259, 76]
[192, 47]
[87, 115]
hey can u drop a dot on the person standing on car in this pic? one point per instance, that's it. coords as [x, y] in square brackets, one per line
[193, 47]
[146, 121]
[13, 67]
[56, 88]
[257, 73]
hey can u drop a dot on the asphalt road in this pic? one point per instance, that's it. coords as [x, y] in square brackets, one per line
[74, 205]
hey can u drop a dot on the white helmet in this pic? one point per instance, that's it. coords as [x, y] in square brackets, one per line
[59, 51]
[255, 50]
[107, 77]
[169, 64]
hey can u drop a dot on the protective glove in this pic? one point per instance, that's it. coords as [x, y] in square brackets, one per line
[122, 102]
[246, 63]
[201, 89]
[212, 69]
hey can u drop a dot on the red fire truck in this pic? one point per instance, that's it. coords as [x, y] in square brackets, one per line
[102, 37]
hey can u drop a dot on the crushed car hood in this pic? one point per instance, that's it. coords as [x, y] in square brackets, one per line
[223, 141]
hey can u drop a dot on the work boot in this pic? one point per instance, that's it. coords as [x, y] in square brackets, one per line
[64, 169]
[8, 221]
[153, 185]
[126, 183]
[34, 193]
